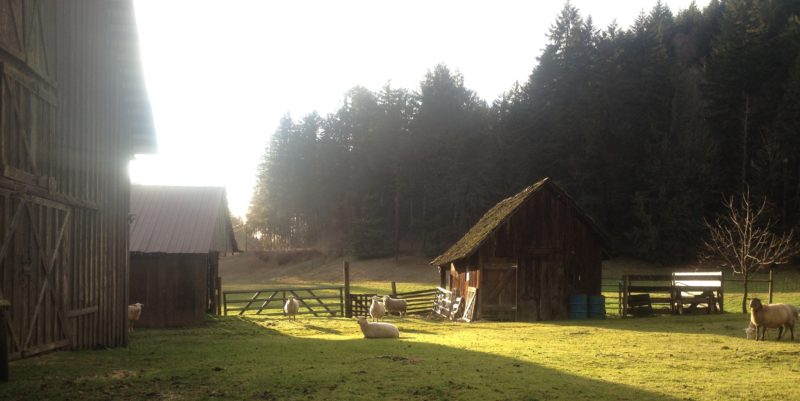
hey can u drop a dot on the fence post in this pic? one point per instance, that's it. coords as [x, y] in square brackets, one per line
[770, 284]
[348, 307]
[341, 301]
[625, 286]
[394, 289]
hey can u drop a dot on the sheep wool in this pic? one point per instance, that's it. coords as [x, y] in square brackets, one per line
[377, 330]
[291, 308]
[377, 310]
[399, 306]
[780, 316]
[134, 313]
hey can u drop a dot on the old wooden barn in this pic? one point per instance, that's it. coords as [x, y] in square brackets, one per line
[73, 111]
[526, 256]
[177, 235]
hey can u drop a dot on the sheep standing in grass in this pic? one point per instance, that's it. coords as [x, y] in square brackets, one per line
[377, 330]
[377, 310]
[780, 316]
[399, 306]
[134, 313]
[291, 308]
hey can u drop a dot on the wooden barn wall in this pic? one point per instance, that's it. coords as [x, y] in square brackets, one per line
[64, 189]
[173, 288]
[556, 253]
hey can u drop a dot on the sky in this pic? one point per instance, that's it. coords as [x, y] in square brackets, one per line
[221, 74]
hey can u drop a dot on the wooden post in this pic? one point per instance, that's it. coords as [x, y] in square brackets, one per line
[3, 342]
[219, 295]
[348, 307]
[722, 293]
[394, 289]
[770, 284]
[625, 286]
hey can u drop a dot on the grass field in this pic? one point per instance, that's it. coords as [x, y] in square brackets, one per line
[697, 357]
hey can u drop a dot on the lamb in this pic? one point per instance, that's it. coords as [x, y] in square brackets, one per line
[395, 305]
[134, 313]
[291, 308]
[750, 331]
[378, 330]
[377, 310]
[780, 316]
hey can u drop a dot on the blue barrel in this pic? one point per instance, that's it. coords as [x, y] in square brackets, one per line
[578, 307]
[597, 307]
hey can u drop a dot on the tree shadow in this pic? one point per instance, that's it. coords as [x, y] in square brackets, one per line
[281, 367]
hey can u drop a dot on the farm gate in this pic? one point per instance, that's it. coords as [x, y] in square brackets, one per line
[317, 301]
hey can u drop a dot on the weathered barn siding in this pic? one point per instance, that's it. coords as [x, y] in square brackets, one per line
[172, 287]
[72, 111]
[527, 255]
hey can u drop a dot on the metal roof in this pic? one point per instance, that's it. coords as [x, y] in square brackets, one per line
[172, 219]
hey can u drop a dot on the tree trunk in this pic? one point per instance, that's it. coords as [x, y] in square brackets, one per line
[744, 297]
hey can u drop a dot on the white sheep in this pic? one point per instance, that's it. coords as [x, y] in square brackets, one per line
[291, 308]
[377, 310]
[780, 316]
[134, 313]
[750, 331]
[399, 306]
[377, 330]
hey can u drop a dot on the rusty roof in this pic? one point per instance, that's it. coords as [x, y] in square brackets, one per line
[500, 213]
[173, 219]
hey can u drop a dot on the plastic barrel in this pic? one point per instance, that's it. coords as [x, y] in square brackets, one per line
[578, 307]
[597, 307]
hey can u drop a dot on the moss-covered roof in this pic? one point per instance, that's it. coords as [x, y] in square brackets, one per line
[473, 239]
[498, 214]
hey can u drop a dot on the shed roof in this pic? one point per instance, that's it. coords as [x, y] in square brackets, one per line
[173, 219]
[501, 212]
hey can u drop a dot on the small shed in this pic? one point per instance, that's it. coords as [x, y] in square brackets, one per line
[526, 256]
[177, 235]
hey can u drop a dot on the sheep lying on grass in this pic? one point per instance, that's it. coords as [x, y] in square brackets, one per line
[377, 310]
[377, 330]
[781, 316]
[398, 306]
[134, 313]
[291, 308]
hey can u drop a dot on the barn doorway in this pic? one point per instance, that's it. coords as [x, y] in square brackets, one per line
[541, 286]
[33, 264]
[499, 291]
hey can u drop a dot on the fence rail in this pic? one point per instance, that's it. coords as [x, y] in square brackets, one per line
[419, 302]
[317, 301]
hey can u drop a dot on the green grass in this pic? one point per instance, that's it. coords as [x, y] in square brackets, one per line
[659, 358]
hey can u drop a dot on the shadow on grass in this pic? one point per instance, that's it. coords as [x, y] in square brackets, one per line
[213, 363]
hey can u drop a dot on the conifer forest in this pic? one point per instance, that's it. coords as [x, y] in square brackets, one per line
[646, 126]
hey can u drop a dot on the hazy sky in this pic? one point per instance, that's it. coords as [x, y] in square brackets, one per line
[221, 74]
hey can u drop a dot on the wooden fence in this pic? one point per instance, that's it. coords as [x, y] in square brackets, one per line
[317, 301]
[419, 302]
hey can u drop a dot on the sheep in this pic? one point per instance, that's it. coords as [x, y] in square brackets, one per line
[781, 316]
[750, 331]
[377, 330]
[134, 313]
[291, 308]
[377, 310]
[395, 305]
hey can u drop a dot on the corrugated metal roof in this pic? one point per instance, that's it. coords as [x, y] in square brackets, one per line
[172, 219]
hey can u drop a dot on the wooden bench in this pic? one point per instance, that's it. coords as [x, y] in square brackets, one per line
[658, 288]
[698, 288]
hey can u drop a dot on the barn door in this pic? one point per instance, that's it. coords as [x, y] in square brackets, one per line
[32, 259]
[498, 296]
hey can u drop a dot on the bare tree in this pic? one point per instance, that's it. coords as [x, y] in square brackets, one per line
[744, 240]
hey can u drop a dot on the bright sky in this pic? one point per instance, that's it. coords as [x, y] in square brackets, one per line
[221, 74]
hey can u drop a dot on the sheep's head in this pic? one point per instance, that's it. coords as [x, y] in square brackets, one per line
[375, 298]
[138, 305]
[361, 320]
[291, 297]
[755, 304]
[385, 298]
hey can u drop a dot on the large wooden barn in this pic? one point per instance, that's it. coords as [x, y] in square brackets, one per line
[177, 235]
[526, 256]
[73, 111]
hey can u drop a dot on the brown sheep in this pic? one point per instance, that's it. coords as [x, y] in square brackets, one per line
[780, 316]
